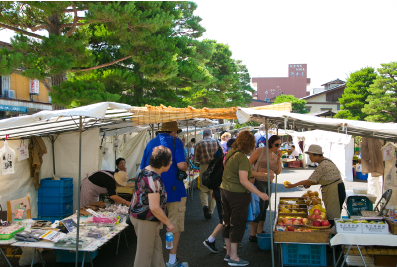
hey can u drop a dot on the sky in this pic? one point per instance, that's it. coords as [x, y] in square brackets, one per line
[334, 37]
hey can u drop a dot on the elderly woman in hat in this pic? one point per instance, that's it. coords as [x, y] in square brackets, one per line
[328, 176]
[102, 182]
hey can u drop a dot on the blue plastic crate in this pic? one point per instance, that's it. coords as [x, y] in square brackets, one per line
[51, 218]
[56, 191]
[63, 182]
[67, 256]
[304, 255]
[361, 176]
[55, 209]
[57, 199]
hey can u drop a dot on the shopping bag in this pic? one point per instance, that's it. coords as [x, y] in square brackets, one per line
[7, 156]
[22, 151]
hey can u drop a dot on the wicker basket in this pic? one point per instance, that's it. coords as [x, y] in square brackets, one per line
[310, 225]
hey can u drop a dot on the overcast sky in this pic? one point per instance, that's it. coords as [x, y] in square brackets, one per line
[333, 37]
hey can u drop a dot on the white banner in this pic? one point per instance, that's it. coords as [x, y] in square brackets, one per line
[34, 86]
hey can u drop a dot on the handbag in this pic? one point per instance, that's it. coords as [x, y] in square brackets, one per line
[3, 214]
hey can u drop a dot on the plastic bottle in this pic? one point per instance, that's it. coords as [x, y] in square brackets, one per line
[391, 212]
[169, 240]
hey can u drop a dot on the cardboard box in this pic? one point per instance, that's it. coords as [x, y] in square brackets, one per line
[349, 228]
[375, 228]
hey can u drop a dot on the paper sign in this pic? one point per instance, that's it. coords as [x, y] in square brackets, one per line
[93, 213]
[53, 236]
[69, 224]
[34, 86]
[22, 152]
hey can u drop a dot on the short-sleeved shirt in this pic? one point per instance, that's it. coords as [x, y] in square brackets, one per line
[231, 180]
[146, 183]
[101, 179]
[174, 187]
[326, 171]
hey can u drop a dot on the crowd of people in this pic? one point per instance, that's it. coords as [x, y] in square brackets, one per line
[159, 196]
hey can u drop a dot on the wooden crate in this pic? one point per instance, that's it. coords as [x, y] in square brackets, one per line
[316, 236]
[392, 227]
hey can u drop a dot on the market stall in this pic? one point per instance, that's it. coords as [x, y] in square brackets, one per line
[387, 132]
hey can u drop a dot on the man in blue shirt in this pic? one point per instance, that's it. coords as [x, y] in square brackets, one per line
[176, 192]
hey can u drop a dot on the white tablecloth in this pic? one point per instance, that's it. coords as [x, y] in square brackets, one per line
[364, 240]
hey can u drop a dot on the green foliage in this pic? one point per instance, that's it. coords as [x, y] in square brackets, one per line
[382, 101]
[246, 124]
[298, 105]
[355, 94]
[229, 85]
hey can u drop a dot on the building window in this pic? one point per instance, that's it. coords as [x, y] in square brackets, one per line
[326, 109]
[338, 107]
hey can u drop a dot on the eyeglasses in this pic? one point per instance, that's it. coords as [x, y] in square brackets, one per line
[277, 145]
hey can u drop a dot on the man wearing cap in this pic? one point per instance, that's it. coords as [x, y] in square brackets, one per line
[176, 192]
[332, 187]
[205, 153]
[102, 182]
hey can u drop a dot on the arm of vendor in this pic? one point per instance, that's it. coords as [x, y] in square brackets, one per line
[104, 179]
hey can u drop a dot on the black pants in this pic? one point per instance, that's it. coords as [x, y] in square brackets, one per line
[263, 205]
[217, 195]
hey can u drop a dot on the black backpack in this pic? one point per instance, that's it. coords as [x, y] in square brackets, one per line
[212, 177]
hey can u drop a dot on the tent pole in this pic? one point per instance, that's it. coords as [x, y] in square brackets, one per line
[194, 148]
[152, 126]
[53, 154]
[78, 195]
[188, 156]
[269, 190]
[275, 184]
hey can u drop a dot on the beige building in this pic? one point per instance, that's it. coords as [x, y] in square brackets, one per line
[327, 100]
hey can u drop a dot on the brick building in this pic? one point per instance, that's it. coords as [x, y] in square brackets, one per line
[268, 88]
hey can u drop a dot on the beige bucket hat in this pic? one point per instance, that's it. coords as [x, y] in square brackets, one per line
[315, 149]
[121, 178]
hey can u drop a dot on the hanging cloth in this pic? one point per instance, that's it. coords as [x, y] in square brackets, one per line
[372, 156]
[37, 149]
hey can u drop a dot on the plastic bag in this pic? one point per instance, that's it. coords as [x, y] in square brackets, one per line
[388, 152]
[7, 156]
[27, 256]
[22, 151]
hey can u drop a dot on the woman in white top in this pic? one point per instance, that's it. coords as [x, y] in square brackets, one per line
[224, 138]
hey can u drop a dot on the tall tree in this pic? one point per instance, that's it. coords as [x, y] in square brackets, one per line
[382, 101]
[298, 105]
[148, 39]
[356, 93]
[241, 93]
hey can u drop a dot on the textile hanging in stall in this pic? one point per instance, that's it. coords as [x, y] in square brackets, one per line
[372, 156]
[37, 149]
[7, 156]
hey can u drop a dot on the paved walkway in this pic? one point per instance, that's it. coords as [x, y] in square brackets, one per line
[197, 229]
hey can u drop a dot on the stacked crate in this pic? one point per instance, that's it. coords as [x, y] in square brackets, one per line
[55, 198]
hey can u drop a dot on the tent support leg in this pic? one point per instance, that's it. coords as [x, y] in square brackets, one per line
[78, 194]
[53, 154]
[269, 190]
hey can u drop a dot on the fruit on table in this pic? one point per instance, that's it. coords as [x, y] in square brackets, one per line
[305, 221]
[317, 212]
[291, 228]
[325, 223]
[316, 223]
[316, 193]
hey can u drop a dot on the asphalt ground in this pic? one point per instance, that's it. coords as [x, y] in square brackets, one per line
[197, 229]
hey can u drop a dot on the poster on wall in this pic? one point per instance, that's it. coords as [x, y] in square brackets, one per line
[34, 87]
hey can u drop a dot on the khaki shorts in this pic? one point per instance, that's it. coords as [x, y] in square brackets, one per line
[176, 214]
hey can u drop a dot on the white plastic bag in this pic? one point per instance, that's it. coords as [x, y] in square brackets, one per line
[27, 256]
[388, 152]
[22, 151]
[7, 156]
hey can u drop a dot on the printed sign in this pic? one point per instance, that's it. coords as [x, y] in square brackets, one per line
[34, 87]
[53, 236]
[22, 152]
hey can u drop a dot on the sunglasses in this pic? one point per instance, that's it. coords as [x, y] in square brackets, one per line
[277, 145]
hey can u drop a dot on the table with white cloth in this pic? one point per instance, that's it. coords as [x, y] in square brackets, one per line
[90, 248]
[362, 240]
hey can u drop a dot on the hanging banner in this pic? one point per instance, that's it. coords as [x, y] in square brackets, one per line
[34, 86]
[7, 156]
[22, 151]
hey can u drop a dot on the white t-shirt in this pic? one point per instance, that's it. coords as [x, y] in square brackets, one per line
[295, 153]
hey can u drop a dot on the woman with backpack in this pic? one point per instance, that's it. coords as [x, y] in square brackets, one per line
[260, 160]
[235, 194]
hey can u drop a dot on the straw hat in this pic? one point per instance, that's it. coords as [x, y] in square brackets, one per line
[171, 126]
[121, 178]
[315, 149]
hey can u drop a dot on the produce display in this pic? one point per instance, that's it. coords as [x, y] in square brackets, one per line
[302, 214]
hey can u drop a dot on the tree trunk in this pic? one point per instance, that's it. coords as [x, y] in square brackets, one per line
[54, 27]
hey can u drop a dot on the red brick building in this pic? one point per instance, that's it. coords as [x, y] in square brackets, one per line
[268, 88]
